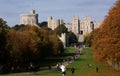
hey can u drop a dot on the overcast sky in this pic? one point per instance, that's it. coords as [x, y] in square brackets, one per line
[11, 9]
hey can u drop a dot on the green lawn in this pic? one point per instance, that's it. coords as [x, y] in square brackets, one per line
[68, 52]
[81, 68]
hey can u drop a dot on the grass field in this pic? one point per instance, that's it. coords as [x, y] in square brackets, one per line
[81, 68]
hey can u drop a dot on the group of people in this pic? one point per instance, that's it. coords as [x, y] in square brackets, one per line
[63, 69]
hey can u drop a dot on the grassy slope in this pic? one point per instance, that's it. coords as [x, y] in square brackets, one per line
[81, 66]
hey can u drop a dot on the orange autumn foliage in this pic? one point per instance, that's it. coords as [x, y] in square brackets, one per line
[106, 39]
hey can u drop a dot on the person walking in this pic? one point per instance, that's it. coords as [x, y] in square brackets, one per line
[97, 69]
[63, 69]
[73, 71]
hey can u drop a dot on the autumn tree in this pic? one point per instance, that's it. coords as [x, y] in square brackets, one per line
[57, 48]
[106, 41]
[28, 44]
[22, 47]
[4, 53]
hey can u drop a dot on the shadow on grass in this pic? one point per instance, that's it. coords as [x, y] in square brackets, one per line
[81, 59]
[53, 60]
[68, 54]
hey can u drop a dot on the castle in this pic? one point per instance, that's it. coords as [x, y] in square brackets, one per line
[77, 26]
[29, 19]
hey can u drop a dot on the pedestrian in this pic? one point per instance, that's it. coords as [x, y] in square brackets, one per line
[57, 66]
[73, 71]
[97, 69]
[31, 67]
[89, 65]
[50, 67]
[63, 69]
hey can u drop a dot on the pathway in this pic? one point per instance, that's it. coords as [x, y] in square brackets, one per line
[76, 56]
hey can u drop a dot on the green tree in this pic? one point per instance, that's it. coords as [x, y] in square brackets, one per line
[70, 35]
[88, 39]
[19, 27]
[3, 24]
[4, 53]
[43, 24]
[61, 29]
[72, 38]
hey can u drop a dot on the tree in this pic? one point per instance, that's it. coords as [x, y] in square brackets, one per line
[31, 44]
[3, 24]
[22, 47]
[57, 46]
[72, 38]
[4, 53]
[70, 35]
[88, 39]
[43, 24]
[19, 27]
[106, 39]
[61, 29]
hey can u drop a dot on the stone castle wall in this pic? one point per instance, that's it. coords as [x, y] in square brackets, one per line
[63, 39]
[77, 26]
[84, 26]
[54, 23]
[29, 19]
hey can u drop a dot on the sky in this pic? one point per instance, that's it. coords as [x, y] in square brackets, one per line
[59, 9]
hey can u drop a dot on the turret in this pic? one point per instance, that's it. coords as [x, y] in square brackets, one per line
[32, 11]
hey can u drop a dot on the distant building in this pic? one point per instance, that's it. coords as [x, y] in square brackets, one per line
[84, 26]
[77, 26]
[29, 19]
[54, 23]
[97, 24]
[68, 26]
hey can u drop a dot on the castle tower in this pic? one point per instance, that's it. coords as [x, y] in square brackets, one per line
[61, 21]
[32, 12]
[49, 22]
[86, 25]
[29, 19]
[54, 23]
[75, 25]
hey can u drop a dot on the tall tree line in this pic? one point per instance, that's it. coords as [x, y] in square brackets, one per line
[22, 45]
[106, 39]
